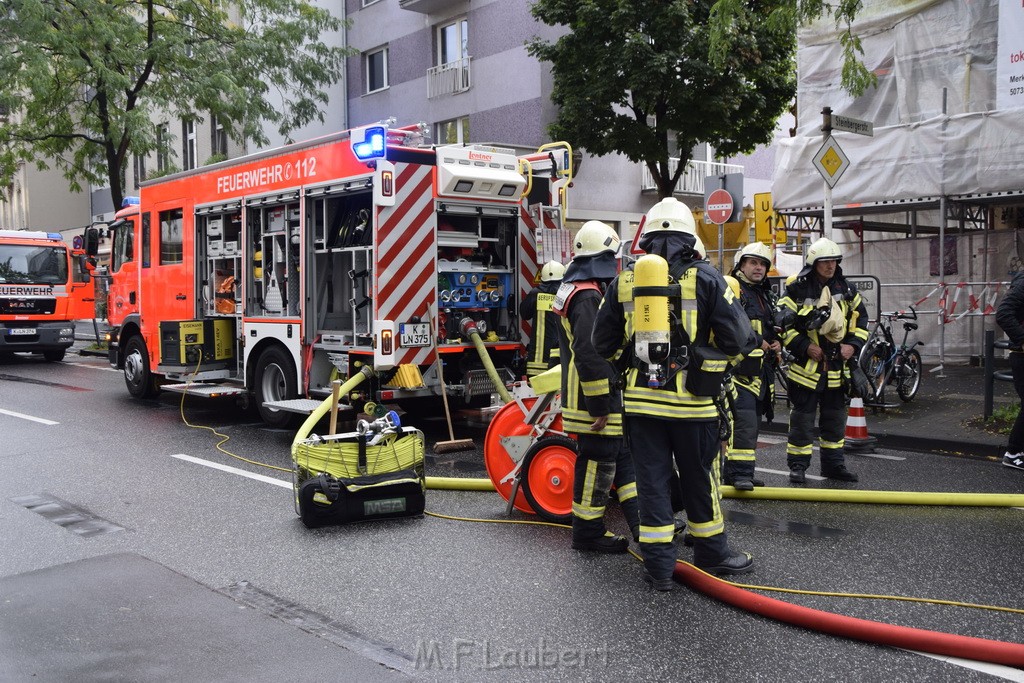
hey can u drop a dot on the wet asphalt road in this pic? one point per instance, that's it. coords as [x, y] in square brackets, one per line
[185, 549]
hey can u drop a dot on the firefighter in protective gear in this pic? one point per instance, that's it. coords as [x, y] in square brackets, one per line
[824, 326]
[669, 427]
[542, 351]
[754, 376]
[591, 399]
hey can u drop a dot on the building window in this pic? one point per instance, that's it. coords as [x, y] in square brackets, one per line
[163, 147]
[451, 73]
[218, 137]
[452, 41]
[139, 167]
[170, 237]
[452, 132]
[188, 145]
[376, 70]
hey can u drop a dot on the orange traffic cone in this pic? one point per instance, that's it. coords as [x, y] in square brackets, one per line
[857, 438]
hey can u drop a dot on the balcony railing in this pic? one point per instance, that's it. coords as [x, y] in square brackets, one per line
[425, 6]
[449, 79]
[692, 179]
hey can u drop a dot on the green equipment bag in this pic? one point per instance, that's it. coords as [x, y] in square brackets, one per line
[353, 478]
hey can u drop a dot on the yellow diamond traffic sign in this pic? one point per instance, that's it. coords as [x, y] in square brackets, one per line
[831, 161]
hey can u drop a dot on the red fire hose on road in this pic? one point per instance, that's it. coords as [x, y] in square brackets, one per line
[934, 642]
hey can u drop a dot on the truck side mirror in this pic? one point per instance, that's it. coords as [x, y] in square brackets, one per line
[92, 241]
[84, 269]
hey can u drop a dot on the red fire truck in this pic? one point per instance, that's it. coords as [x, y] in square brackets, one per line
[268, 276]
[44, 288]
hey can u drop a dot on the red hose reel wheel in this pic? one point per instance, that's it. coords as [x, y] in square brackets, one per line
[548, 477]
[509, 421]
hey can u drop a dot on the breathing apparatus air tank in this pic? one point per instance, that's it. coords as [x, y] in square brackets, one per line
[650, 315]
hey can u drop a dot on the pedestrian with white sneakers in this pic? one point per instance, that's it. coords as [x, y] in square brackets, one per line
[1010, 318]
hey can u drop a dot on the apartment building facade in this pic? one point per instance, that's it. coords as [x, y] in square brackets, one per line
[462, 67]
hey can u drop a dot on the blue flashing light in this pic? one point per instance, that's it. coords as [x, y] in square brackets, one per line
[129, 201]
[54, 236]
[369, 143]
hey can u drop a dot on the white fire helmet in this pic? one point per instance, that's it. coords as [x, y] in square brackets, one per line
[552, 270]
[758, 250]
[823, 249]
[670, 214]
[595, 238]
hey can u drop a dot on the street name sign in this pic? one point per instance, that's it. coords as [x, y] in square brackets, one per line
[852, 125]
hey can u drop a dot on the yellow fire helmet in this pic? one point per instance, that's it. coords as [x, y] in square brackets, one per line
[834, 329]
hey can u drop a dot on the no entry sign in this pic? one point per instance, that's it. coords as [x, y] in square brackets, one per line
[719, 207]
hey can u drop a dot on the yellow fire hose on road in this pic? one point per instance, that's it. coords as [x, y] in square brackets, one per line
[468, 327]
[810, 495]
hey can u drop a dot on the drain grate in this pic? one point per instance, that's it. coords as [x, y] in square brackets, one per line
[72, 518]
[319, 625]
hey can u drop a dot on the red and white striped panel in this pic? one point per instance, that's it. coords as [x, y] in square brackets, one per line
[527, 262]
[405, 255]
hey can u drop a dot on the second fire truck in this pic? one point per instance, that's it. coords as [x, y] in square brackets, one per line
[269, 276]
[44, 287]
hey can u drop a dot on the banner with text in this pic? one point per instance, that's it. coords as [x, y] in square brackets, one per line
[1010, 55]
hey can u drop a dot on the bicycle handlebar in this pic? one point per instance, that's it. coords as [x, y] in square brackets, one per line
[900, 315]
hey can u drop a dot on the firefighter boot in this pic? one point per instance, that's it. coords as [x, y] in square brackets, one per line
[592, 481]
[662, 585]
[713, 555]
[838, 472]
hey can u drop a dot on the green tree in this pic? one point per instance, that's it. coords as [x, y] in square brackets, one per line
[633, 77]
[855, 77]
[82, 80]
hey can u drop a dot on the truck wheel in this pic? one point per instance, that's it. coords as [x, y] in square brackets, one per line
[275, 381]
[55, 355]
[137, 377]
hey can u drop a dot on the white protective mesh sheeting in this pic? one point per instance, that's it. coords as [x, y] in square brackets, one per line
[927, 54]
[958, 155]
[984, 260]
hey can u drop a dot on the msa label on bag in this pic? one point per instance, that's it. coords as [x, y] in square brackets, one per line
[384, 506]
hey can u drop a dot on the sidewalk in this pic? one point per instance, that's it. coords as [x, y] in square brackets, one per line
[946, 415]
[85, 331]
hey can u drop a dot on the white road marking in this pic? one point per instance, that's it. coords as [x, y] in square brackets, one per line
[786, 473]
[28, 417]
[93, 367]
[234, 470]
[997, 670]
[770, 439]
[874, 455]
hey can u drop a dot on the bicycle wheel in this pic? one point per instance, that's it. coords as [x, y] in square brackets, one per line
[872, 361]
[781, 375]
[909, 380]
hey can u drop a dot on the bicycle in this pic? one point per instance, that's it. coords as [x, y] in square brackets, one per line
[886, 363]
